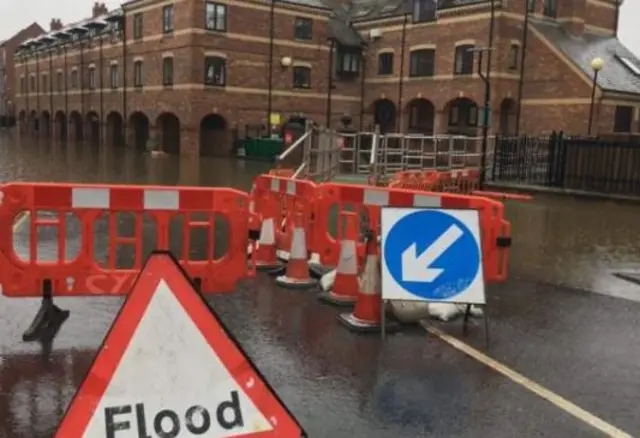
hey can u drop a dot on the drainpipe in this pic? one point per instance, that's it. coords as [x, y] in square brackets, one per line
[523, 57]
[102, 122]
[270, 75]
[66, 91]
[81, 78]
[330, 83]
[38, 91]
[487, 98]
[362, 89]
[50, 91]
[401, 82]
[124, 73]
[27, 85]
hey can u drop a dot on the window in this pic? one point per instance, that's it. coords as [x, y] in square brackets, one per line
[463, 110]
[424, 10]
[45, 83]
[464, 60]
[22, 85]
[91, 78]
[167, 19]
[301, 77]
[550, 8]
[137, 26]
[59, 83]
[32, 83]
[623, 119]
[74, 79]
[215, 71]
[113, 75]
[385, 63]
[348, 62]
[631, 65]
[514, 57]
[167, 71]
[137, 74]
[422, 63]
[531, 6]
[215, 17]
[303, 28]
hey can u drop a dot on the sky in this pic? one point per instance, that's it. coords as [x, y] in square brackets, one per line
[15, 15]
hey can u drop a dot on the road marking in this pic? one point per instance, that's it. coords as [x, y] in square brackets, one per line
[529, 384]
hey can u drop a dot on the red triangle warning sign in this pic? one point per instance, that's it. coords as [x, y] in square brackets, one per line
[169, 368]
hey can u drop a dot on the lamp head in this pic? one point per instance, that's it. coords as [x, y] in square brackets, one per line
[286, 61]
[597, 64]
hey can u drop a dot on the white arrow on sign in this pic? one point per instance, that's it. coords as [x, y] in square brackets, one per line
[416, 268]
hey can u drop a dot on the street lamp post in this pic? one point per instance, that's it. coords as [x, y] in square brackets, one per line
[596, 64]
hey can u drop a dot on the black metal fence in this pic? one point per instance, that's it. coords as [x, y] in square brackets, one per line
[598, 165]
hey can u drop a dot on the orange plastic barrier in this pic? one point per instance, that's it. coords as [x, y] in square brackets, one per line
[503, 196]
[367, 200]
[285, 173]
[90, 218]
[284, 197]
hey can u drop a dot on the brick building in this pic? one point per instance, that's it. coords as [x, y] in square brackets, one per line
[185, 72]
[7, 71]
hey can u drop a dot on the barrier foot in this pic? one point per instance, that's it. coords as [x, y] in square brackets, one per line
[336, 300]
[276, 271]
[48, 319]
[358, 326]
[294, 283]
[318, 271]
[269, 267]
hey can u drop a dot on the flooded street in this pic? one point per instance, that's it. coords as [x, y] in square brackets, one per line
[411, 385]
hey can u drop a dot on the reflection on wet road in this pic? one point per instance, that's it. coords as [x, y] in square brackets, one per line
[582, 346]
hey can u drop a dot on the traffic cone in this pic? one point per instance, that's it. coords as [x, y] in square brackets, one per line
[265, 252]
[284, 240]
[297, 274]
[345, 287]
[254, 222]
[366, 315]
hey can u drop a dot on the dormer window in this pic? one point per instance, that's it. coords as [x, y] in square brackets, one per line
[424, 10]
[348, 62]
[630, 64]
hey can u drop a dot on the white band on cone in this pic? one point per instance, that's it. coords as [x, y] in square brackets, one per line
[267, 232]
[298, 245]
[370, 276]
[348, 263]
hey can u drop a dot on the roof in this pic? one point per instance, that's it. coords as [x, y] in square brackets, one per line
[81, 24]
[376, 9]
[615, 75]
[21, 35]
[344, 34]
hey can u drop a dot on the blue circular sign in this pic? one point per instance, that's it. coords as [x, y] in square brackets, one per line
[432, 254]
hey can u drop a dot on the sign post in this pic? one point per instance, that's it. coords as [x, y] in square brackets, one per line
[169, 368]
[433, 255]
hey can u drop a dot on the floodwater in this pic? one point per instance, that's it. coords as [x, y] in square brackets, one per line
[337, 385]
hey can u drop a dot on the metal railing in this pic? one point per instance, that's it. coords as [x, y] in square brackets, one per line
[327, 153]
[381, 155]
[592, 165]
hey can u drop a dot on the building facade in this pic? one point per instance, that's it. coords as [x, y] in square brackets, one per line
[185, 73]
[7, 71]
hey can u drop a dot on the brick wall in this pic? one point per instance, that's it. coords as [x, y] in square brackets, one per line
[9, 92]
[245, 46]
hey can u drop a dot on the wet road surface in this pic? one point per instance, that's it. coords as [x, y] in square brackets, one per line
[578, 344]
